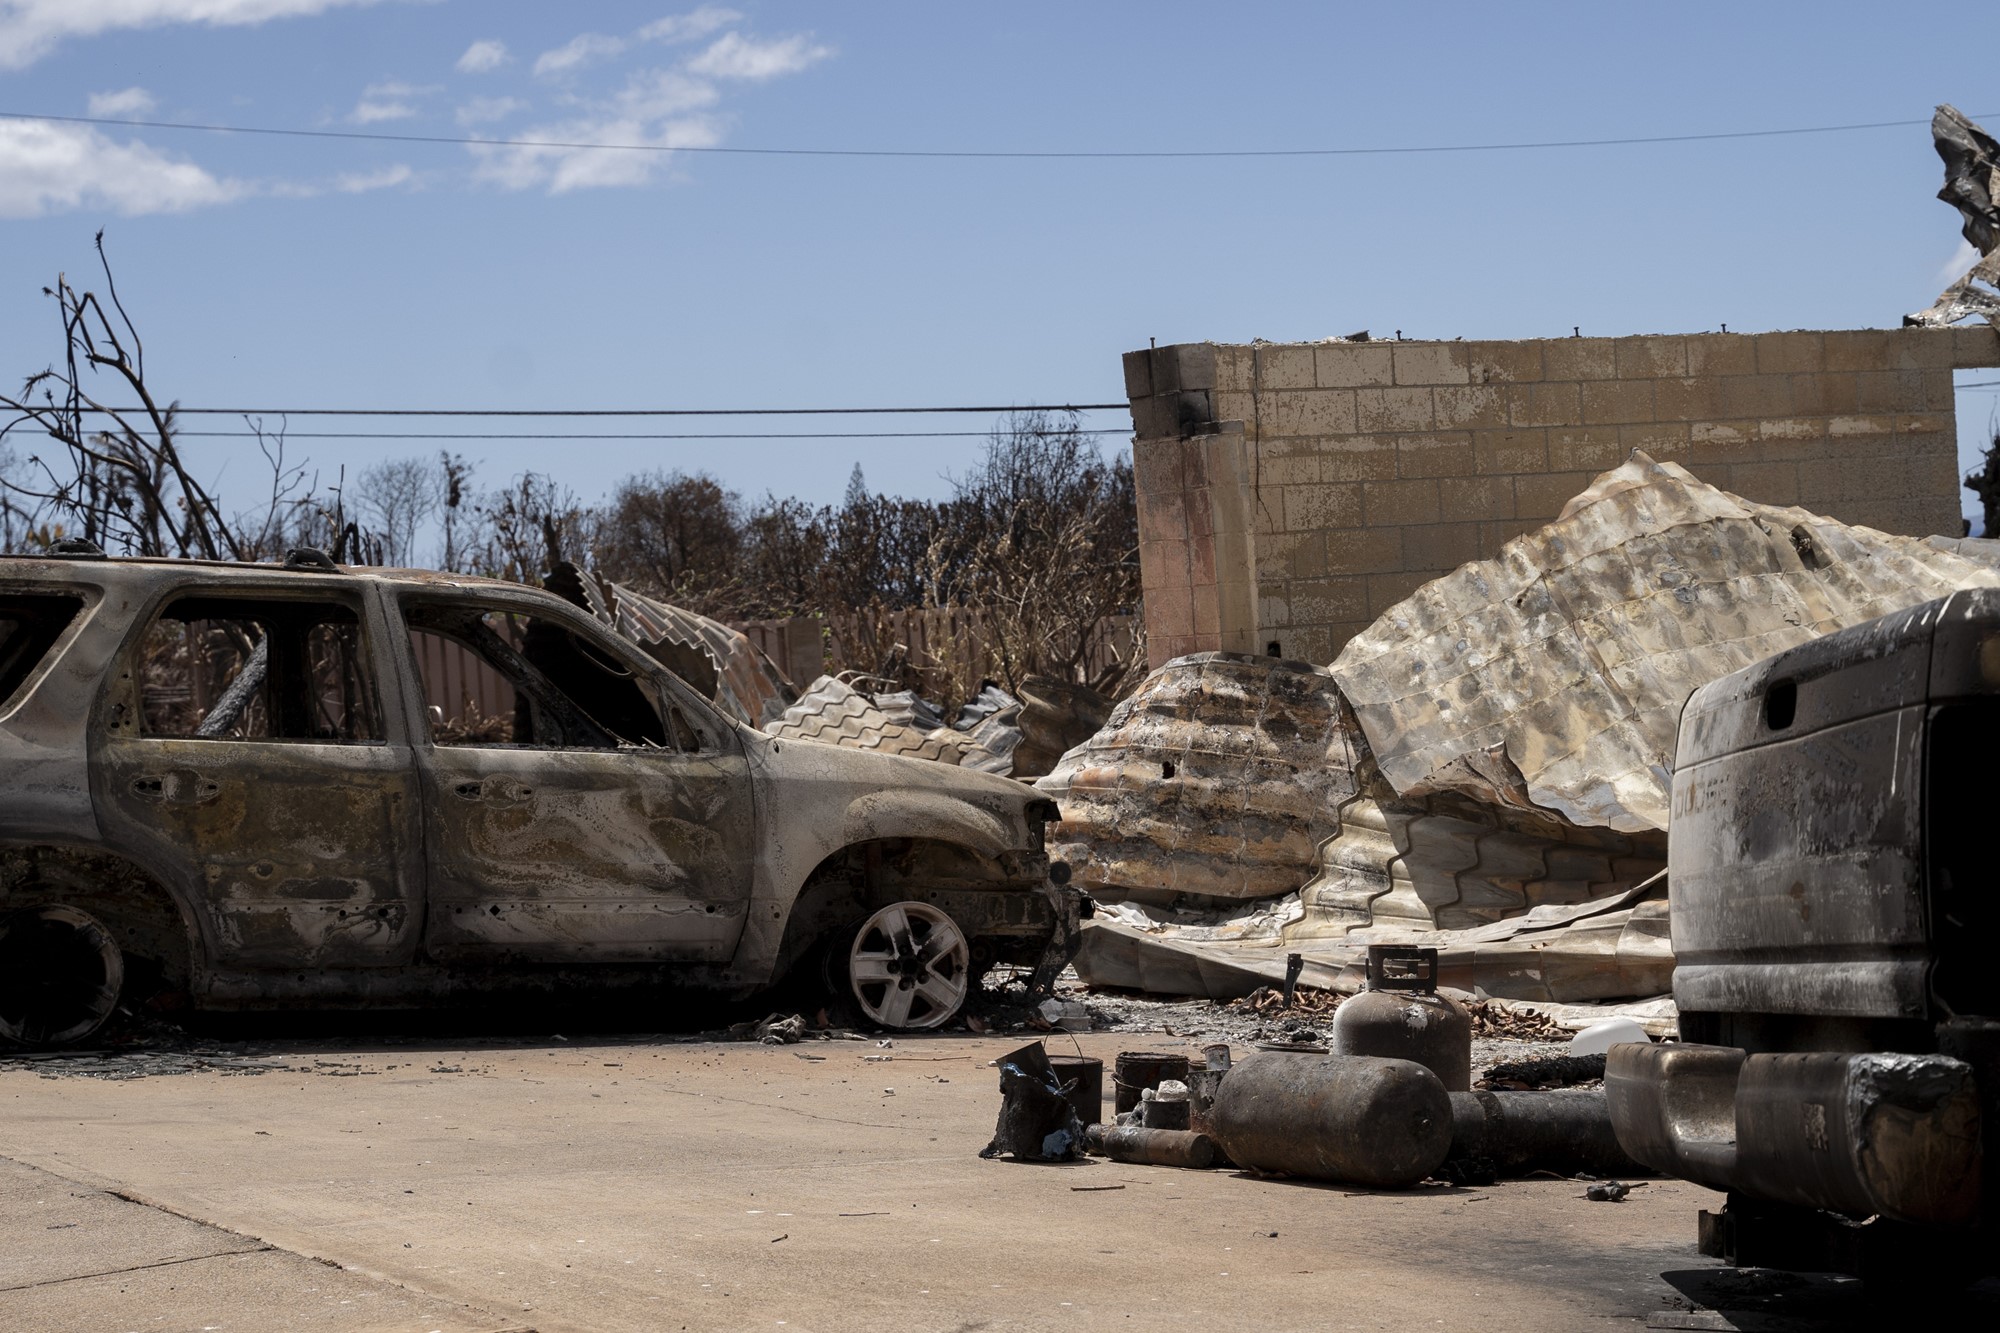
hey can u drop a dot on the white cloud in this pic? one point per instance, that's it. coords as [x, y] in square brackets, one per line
[360, 182]
[387, 101]
[483, 57]
[578, 51]
[129, 102]
[689, 27]
[656, 108]
[486, 110]
[48, 168]
[30, 29]
[734, 56]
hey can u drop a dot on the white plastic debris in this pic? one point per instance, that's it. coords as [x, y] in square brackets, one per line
[1170, 1090]
[1601, 1037]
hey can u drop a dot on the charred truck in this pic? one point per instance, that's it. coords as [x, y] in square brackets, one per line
[1835, 918]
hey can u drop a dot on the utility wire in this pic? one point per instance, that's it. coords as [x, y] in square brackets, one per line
[539, 435]
[608, 411]
[974, 154]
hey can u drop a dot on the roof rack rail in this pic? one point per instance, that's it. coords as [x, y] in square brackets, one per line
[311, 558]
[75, 548]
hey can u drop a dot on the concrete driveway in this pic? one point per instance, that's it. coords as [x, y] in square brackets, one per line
[634, 1184]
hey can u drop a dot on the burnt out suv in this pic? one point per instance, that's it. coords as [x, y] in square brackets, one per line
[257, 786]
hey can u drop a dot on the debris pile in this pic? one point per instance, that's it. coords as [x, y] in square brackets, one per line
[995, 732]
[1483, 771]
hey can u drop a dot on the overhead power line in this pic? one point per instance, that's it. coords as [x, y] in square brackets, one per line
[616, 435]
[609, 411]
[375, 136]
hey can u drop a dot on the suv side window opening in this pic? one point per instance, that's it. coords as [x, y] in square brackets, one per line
[498, 678]
[230, 668]
[30, 624]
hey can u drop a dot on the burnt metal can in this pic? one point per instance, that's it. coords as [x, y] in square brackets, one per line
[1087, 1076]
[1401, 1016]
[1385, 1123]
[1564, 1130]
[1136, 1071]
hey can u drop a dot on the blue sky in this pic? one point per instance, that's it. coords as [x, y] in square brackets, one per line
[270, 271]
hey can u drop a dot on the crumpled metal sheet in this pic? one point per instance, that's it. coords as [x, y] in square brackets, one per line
[833, 712]
[719, 662]
[1555, 673]
[1608, 949]
[1972, 186]
[1219, 776]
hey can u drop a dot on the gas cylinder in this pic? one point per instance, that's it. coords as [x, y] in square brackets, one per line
[1402, 1016]
[1385, 1123]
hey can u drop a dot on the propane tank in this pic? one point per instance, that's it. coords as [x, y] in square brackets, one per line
[1402, 1016]
[1385, 1123]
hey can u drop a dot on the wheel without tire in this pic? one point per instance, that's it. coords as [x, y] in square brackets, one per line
[60, 973]
[909, 967]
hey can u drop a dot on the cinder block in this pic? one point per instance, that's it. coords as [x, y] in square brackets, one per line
[1940, 394]
[1233, 368]
[1510, 452]
[1544, 496]
[1437, 455]
[1156, 469]
[1391, 410]
[1585, 448]
[1283, 367]
[1662, 441]
[1720, 441]
[1325, 601]
[1754, 396]
[1163, 521]
[1357, 458]
[1692, 399]
[1307, 412]
[1385, 590]
[1472, 499]
[1551, 404]
[1363, 551]
[1610, 402]
[1139, 374]
[1848, 427]
[1293, 469]
[1354, 365]
[1163, 563]
[1504, 362]
[1431, 363]
[1207, 617]
[1714, 354]
[1310, 508]
[1195, 365]
[1651, 357]
[1314, 643]
[1496, 534]
[1767, 483]
[1307, 559]
[1889, 391]
[1170, 610]
[1788, 353]
[1975, 346]
[1934, 472]
[1579, 359]
[1470, 407]
[1396, 502]
[1888, 349]
[1789, 440]
[1234, 406]
[1156, 418]
[1439, 547]
[1824, 394]
[1923, 423]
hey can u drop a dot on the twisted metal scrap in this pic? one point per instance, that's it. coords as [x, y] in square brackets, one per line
[1972, 186]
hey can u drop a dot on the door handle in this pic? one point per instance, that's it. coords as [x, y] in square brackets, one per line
[175, 787]
[470, 791]
[493, 791]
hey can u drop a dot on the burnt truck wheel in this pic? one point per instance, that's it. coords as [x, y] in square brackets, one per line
[910, 967]
[60, 974]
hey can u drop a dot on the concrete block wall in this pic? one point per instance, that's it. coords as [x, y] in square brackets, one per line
[1290, 493]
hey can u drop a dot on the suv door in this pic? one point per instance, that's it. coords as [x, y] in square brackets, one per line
[242, 751]
[580, 804]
